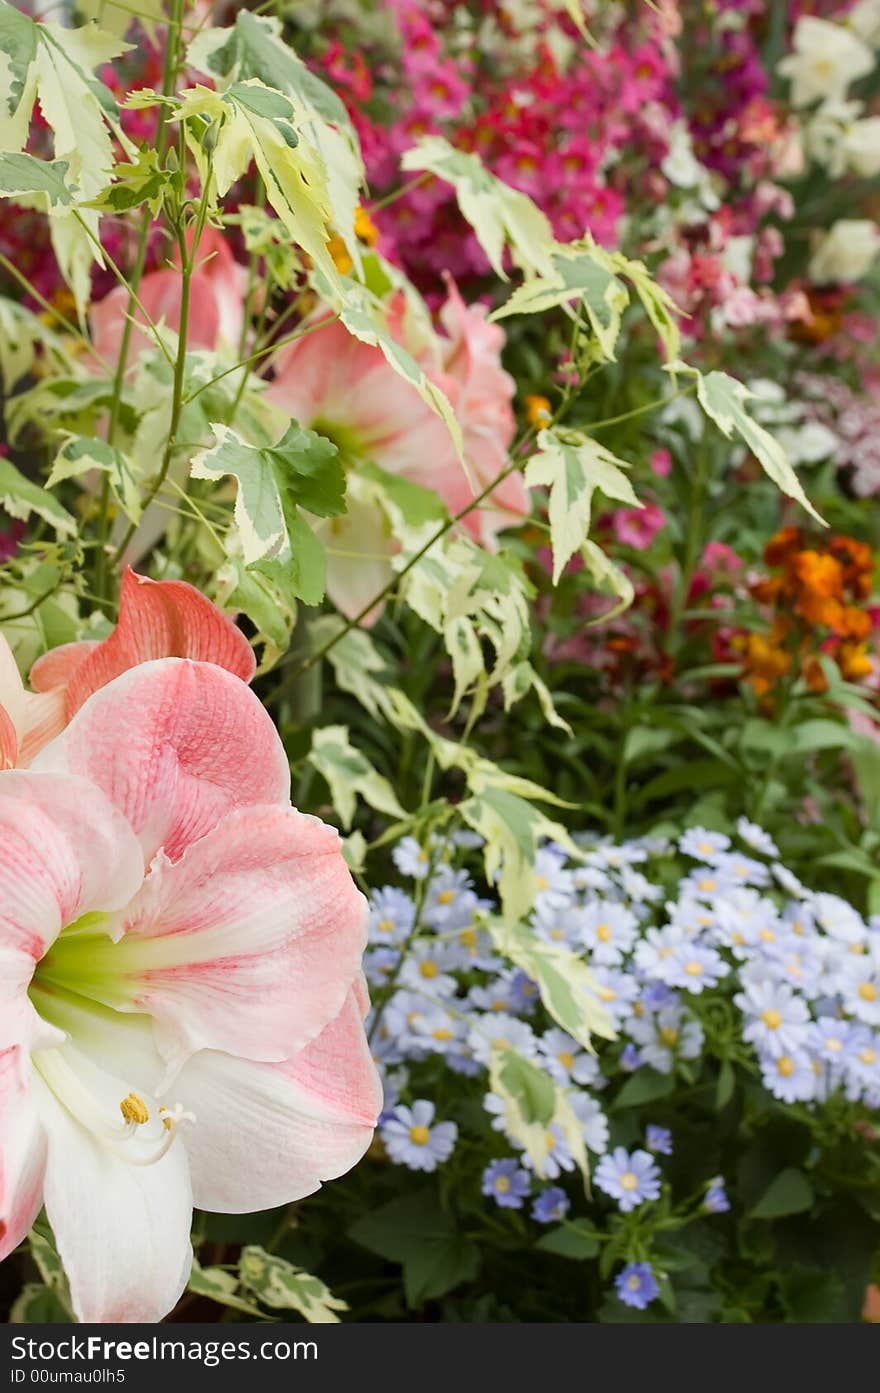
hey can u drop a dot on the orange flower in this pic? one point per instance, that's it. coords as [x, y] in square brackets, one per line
[765, 662]
[853, 661]
[365, 229]
[782, 545]
[820, 574]
[538, 412]
[813, 675]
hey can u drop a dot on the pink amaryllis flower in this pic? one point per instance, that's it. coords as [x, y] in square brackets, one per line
[181, 998]
[216, 307]
[332, 382]
[157, 619]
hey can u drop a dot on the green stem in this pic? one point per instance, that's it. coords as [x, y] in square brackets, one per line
[188, 261]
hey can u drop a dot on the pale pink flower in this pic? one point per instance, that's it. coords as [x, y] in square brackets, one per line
[330, 381]
[181, 1000]
[157, 619]
[216, 308]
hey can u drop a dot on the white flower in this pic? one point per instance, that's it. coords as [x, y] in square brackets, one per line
[864, 18]
[861, 147]
[826, 59]
[846, 253]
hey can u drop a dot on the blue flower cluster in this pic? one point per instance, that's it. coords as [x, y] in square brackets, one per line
[799, 973]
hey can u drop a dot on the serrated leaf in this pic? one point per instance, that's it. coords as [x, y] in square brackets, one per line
[532, 1104]
[349, 773]
[222, 1287]
[573, 466]
[80, 454]
[722, 398]
[20, 497]
[284, 1287]
[57, 66]
[498, 214]
[23, 174]
[580, 271]
[299, 470]
[255, 49]
[567, 986]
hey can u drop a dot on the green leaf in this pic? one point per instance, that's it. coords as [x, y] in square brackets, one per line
[142, 183]
[579, 271]
[255, 50]
[416, 1232]
[574, 466]
[39, 1305]
[656, 302]
[532, 1103]
[222, 1287]
[300, 470]
[21, 498]
[567, 986]
[497, 213]
[283, 1287]
[57, 66]
[725, 1085]
[576, 1240]
[644, 1086]
[23, 174]
[790, 1192]
[82, 453]
[348, 773]
[722, 398]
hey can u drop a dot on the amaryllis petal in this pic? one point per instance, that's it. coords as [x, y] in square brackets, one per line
[249, 943]
[55, 668]
[157, 619]
[8, 741]
[64, 852]
[319, 1109]
[44, 719]
[159, 296]
[121, 1225]
[175, 745]
[22, 1152]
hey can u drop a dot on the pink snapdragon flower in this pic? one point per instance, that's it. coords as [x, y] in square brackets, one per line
[157, 619]
[181, 1000]
[637, 527]
[332, 382]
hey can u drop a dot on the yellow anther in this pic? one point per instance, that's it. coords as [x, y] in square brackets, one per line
[772, 1019]
[668, 1034]
[446, 897]
[566, 1059]
[420, 1136]
[603, 933]
[629, 1180]
[428, 969]
[541, 883]
[502, 1184]
[867, 991]
[385, 926]
[785, 1065]
[134, 1109]
[694, 968]
[442, 1033]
